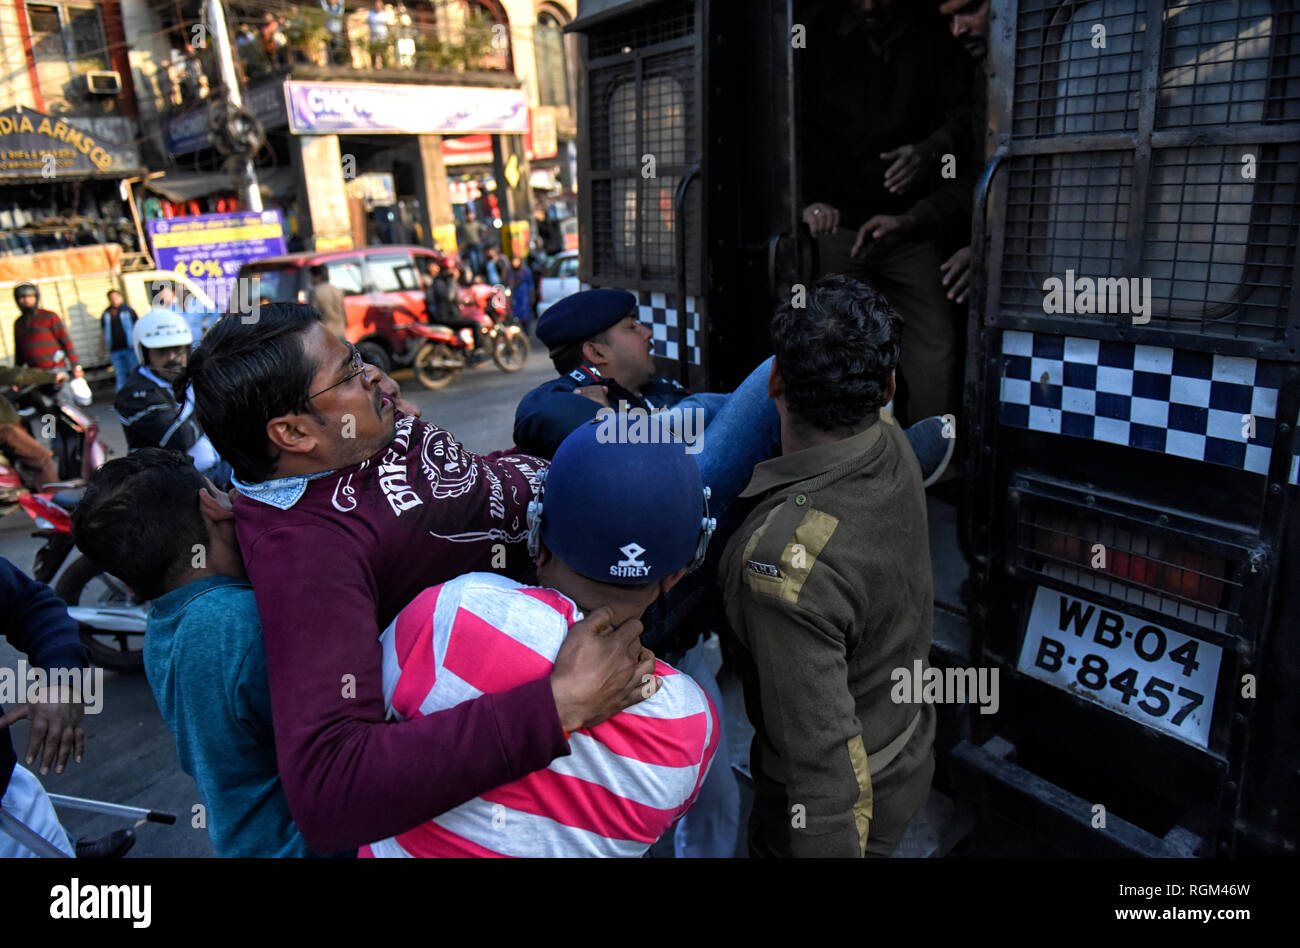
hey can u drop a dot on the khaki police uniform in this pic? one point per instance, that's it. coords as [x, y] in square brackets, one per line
[828, 588]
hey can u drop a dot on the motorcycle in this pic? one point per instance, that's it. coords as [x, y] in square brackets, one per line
[110, 619]
[445, 351]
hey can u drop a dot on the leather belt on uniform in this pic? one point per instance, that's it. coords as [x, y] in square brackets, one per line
[878, 761]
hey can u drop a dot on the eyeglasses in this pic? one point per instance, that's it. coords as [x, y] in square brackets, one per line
[357, 365]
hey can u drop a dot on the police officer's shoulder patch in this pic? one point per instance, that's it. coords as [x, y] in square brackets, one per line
[781, 553]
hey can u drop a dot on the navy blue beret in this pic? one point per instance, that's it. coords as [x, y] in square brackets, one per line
[579, 317]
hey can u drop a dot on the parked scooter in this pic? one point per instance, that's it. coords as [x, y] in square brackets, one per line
[110, 618]
[445, 351]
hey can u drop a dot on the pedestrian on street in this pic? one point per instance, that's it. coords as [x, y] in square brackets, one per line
[472, 237]
[521, 293]
[117, 321]
[327, 299]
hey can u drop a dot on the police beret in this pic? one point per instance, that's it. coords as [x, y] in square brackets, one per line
[582, 315]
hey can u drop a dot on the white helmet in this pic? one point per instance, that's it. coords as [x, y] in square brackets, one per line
[160, 329]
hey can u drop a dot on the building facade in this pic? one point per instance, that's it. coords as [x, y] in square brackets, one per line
[69, 139]
[383, 122]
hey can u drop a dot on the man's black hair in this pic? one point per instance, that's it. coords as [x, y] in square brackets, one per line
[569, 356]
[836, 354]
[320, 271]
[139, 519]
[246, 373]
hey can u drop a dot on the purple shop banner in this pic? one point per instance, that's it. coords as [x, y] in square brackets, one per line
[324, 108]
[210, 248]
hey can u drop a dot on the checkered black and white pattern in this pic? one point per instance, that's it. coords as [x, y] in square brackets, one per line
[655, 312]
[1188, 404]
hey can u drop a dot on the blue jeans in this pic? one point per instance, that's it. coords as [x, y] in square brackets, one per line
[123, 365]
[710, 829]
[739, 431]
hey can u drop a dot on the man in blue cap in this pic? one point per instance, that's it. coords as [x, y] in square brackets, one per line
[604, 355]
[629, 778]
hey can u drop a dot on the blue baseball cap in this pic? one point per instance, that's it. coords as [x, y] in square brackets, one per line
[621, 513]
[582, 315]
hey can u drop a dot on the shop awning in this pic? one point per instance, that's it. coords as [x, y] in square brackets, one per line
[181, 186]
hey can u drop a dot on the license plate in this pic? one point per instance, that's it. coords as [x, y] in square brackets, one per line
[1152, 674]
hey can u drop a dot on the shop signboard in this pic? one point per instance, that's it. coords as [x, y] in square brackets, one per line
[327, 108]
[36, 145]
[210, 248]
[376, 188]
[192, 131]
[545, 142]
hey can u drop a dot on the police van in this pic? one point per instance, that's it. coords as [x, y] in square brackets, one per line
[1129, 524]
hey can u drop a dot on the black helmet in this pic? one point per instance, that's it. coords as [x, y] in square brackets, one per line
[22, 288]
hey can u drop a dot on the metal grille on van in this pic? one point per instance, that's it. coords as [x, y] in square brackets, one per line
[1219, 250]
[658, 24]
[632, 217]
[1210, 221]
[1229, 62]
[1064, 84]
[1156, 571]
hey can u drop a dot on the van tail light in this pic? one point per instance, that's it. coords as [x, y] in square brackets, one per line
[302, 296]
[1158, 564]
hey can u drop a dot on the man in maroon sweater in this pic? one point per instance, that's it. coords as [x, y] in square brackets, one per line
[348, 508]
[39, 334]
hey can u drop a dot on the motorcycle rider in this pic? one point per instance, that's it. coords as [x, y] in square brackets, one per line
[442, 302]
[146, 404]
[39, 334]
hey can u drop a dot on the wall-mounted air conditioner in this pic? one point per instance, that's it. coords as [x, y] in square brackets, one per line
[103, 82]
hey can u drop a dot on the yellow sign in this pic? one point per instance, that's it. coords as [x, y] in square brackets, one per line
[512, 171]
[444, 235]
[178, 236]
[334, 243]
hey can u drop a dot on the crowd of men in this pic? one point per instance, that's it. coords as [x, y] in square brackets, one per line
[391, 646]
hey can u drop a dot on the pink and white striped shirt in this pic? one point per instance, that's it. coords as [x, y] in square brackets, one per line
[626, 781]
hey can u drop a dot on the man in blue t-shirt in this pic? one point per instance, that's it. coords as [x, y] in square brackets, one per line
[161, 527]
